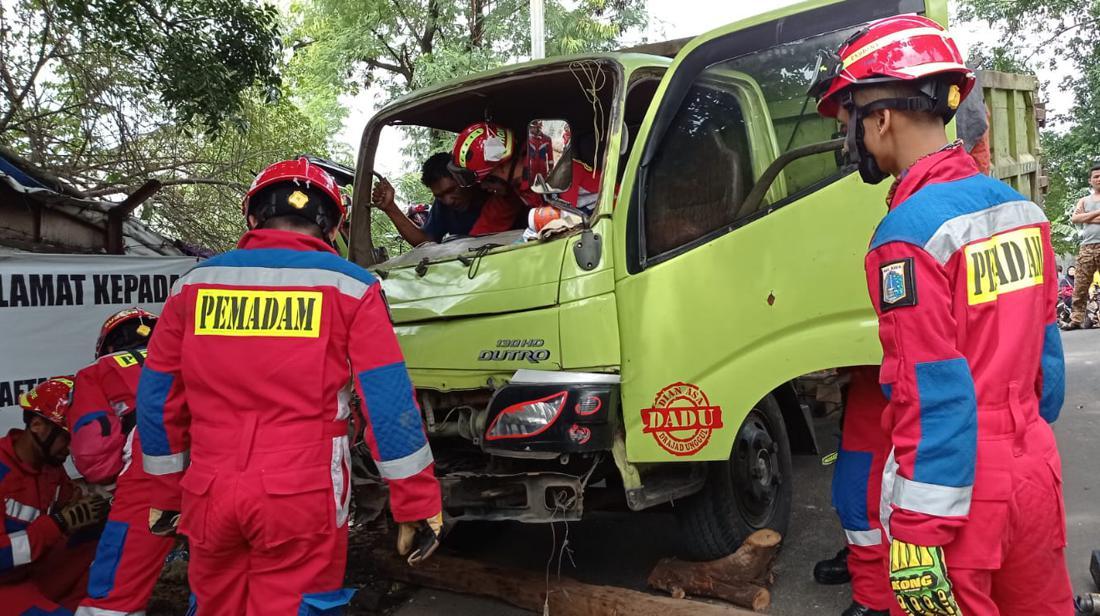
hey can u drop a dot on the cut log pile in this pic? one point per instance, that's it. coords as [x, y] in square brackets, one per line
[527, 590]
[742, 578]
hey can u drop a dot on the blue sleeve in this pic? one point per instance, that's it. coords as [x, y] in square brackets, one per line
[948, 441]
[1052, 375]
[435, 227]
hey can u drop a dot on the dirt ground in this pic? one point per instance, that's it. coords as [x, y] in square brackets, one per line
[375, 597]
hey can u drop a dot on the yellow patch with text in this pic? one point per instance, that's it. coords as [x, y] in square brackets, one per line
[285, 314]
[1004, 263]
[127, 359]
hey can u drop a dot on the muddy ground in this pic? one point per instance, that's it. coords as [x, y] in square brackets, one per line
[375, 597]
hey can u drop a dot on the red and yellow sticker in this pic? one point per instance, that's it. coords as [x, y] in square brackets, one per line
[681, 419]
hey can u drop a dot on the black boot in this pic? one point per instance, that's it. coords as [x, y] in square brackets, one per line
[856, 609]
[834, 570]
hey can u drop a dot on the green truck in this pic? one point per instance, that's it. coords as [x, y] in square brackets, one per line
[649, 355]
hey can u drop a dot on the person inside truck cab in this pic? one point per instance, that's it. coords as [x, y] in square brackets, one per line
[485, 155]
[455, 211]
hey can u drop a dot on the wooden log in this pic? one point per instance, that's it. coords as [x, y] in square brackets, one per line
[527, 590]
[740, 578]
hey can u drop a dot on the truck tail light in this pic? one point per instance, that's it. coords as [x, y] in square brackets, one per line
[589, 405]
[527, 419]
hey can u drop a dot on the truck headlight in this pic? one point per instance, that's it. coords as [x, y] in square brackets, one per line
[527, 419]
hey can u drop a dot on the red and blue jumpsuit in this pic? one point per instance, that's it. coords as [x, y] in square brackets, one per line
[41, 570]
[249, 376]
[129, 558]
[963, 277]
[857, 489]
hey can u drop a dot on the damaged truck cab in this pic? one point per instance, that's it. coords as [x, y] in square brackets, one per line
[647, 356]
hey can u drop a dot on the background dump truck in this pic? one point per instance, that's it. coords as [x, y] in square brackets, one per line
[649, 356]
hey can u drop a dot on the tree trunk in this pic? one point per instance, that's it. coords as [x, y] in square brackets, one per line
[477, 26]
[740, 578]
[528, 590]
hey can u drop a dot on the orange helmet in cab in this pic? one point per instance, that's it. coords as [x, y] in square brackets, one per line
[479, 149]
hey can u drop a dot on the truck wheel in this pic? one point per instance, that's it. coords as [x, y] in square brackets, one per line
[750, 491]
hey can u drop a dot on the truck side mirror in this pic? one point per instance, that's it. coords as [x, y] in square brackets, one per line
[549, 168]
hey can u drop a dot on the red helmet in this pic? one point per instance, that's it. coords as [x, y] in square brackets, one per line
[146, 321]
[418, 214]
[50, 400]
[478, 150]
[303, 174]
[899, 48]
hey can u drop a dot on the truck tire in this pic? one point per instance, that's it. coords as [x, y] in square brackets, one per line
[750, 491]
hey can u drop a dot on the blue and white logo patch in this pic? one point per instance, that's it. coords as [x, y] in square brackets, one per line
[898, 288]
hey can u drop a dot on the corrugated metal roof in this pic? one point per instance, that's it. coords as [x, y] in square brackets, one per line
[138, 238]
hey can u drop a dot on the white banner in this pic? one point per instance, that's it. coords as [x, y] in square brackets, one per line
[52, 306]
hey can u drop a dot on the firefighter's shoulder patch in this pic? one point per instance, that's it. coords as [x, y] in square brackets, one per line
[898, 285]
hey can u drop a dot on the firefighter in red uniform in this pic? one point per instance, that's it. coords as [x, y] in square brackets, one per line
[962, 275]
[104, 447]
[540, 153]
[245, 393]
[857, 494]
[485, 154]
[42, 567]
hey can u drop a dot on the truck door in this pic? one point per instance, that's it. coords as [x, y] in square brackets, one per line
[735, 273]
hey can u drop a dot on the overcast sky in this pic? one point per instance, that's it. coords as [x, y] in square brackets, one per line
[669, 19]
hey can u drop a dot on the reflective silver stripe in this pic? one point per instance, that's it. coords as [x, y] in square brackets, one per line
[341, 474]
[273, 277]
[864, 537]
[960, 231]
[343, 402]
[20, 548]
[564, 378]
[127, 453]
[889, 475]
[165, 465]
[98, 611]
[20, 511]
[407, 466]
[931, 499]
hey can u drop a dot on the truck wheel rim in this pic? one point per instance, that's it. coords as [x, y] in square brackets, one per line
[756, 472]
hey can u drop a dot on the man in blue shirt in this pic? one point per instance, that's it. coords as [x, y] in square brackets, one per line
[454, 211]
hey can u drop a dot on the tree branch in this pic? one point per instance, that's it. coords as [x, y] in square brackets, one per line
[16, 102]
[118, 190]
[1042, 46]
[427, 42]
[404, 18]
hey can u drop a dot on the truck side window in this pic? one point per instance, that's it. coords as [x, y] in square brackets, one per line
[702, 171]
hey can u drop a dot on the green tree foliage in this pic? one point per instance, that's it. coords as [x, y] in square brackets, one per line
[106, 94]
[409, 44]
[345, 46]
[1049, 34]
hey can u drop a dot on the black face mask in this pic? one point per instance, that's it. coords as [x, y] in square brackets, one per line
[856, 150]
[44, 446]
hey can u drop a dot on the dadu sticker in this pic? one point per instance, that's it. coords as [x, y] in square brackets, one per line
[898, 288]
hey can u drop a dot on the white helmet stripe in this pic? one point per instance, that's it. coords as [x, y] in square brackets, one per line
[930, 68]
[890, 39]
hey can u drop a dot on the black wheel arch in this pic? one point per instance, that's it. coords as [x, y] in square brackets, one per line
[800, 426]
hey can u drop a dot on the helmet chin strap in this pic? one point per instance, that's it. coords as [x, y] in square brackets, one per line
[44, 446]
[856, 149]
